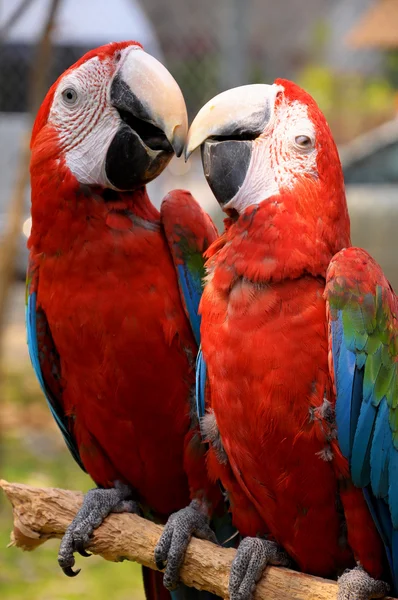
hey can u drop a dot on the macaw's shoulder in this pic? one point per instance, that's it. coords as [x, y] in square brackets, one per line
[353, 270]
[189, 232]
[188, 227]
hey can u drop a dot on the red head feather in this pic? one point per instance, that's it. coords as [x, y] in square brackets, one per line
[103, 52]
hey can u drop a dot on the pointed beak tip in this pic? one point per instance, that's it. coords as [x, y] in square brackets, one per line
[178, 139]
[156, 84]
[190, 145]
[187, 153]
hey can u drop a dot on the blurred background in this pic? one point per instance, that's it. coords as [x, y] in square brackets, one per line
[344, 52]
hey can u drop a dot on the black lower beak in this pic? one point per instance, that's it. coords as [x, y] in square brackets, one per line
[225, 165]
[139, 151]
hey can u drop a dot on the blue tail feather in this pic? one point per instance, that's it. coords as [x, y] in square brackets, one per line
[183, 592]
[380, 452]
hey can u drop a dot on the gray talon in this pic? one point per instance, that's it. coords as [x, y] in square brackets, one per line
[69, 572]
[356, 584]
[82, 551]
[171, 547]
[252, 556]
[97, 505]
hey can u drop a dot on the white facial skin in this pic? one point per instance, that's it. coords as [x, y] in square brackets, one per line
[85, 119]
[87, 122]
[285, 150]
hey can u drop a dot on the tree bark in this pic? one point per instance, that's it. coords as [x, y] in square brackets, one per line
[44, 513]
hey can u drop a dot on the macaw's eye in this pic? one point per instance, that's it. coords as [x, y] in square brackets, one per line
[69, 96]
[304, 141]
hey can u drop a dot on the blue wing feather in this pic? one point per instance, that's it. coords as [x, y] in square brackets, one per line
[191, 286]
[222, 524]
[394, 558]
[380, 452]
[393, 487]
[189, 232]
[363, 343]
[346, 412]
[355, 416]
[364, 437]
[360, 455]
[382, 519]
[356, 400]
[381, 516]
[53, 403]
[201, 374]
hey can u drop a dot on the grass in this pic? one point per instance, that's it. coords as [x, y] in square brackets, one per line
[33, 452]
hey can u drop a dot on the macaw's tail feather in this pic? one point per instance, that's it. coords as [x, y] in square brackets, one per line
[155, 590]
[153, 585]
[183, 592]
[227, 535]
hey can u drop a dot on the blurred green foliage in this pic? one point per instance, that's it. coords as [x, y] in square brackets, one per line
[188, 70]
[33, 452]
[392, 67]
[352, 103]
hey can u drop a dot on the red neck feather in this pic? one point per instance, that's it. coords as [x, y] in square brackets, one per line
[63, 210]
[287, 235]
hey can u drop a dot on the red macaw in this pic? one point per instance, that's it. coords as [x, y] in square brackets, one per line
[109, 332]
[299, 350]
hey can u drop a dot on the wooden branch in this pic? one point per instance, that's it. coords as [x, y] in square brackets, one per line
[44, 513]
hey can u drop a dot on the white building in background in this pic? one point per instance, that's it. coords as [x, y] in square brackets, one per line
[87, 23]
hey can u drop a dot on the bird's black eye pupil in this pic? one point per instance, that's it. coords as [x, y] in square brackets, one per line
[70, 96]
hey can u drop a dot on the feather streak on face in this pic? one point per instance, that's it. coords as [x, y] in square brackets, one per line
[115, 118]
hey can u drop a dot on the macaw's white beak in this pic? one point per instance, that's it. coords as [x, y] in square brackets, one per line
[153, 120]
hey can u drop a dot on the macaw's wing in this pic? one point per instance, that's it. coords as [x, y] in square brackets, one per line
[362, 311]
[201, 380]
[45, 359]
[189, 232]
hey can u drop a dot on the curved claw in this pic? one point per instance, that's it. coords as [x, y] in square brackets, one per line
[83, 552]
[69, 572]
[160, 564]
[79, 544]
[97, 505]
[171, 547]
